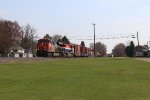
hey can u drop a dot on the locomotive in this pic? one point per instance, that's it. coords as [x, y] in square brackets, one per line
[45, 48]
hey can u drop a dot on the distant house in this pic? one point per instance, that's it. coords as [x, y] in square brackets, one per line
[28, 53]
[141, 51]
[148, 52]
[18, 51]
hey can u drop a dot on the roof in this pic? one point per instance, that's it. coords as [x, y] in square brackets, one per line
[17, 48]
[141, 48]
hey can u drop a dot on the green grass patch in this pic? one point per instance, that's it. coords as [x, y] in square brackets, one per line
[76, 79]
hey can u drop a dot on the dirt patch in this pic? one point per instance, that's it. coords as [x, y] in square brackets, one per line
[144, 59]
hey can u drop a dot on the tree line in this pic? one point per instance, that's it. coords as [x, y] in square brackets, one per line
[12, 35]
[57, 38]
[121, 50]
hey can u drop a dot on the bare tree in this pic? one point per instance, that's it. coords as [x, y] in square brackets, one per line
[10, 34]
[56, 38]
[28, 36]
[100, 48]
[119, 50]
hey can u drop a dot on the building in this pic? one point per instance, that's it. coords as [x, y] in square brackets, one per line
[18, 51]
[141, 51]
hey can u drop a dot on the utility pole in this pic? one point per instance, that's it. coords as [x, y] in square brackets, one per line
[94, 39]
[149, 42]
[138, 38]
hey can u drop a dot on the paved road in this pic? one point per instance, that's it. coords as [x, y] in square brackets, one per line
[144, 59]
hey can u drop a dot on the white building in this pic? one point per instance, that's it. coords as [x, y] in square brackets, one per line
[18, 51]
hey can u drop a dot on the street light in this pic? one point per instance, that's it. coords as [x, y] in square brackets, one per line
[94, 38]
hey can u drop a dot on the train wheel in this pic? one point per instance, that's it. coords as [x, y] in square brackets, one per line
[45, 54]
[38, 54]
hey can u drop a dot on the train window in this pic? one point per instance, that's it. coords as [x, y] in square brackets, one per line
[40, 41]
[47, 41]
[44, 41]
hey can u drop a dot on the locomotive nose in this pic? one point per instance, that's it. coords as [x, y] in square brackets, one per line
[42, 47]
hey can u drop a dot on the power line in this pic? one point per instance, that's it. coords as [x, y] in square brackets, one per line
[131, 35]
[105, 38]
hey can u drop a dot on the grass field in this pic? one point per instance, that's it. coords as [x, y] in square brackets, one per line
[76, 79]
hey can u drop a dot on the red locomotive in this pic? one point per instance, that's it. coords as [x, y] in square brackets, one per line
[45, 48]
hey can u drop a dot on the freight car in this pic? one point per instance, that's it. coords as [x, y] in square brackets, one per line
[45, 48]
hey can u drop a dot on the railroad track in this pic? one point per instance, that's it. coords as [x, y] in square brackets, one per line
[22, 60]
[33, 59]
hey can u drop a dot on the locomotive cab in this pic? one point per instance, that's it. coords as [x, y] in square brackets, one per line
[44, 46]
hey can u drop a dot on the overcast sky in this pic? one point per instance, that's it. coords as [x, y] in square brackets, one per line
[74, 18]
